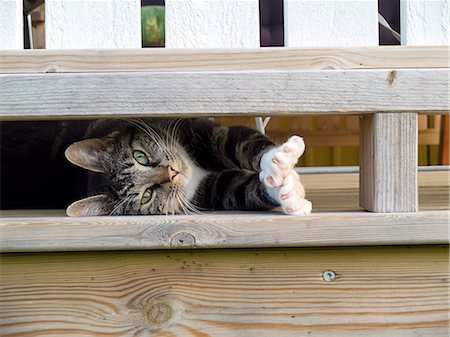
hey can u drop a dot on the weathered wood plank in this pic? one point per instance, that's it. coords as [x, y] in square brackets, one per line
[221, 230]
[388, 161]
[160, 59]
[91, 95]
[378, 291]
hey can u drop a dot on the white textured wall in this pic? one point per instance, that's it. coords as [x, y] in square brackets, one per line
[11, 24]
[338, 23]
[92, 24]
[212, 23]
[425, 22]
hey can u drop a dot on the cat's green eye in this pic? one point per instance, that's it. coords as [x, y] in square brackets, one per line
[141, 157]
[149, 194]
[146, 197]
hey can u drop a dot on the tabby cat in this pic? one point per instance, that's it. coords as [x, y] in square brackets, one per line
[157, 166]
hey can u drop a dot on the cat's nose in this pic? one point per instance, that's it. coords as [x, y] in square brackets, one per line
[172, 172]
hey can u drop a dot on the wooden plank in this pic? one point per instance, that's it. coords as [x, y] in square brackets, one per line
[315, 23]
[11, 24]
[388, 176]
[425, 22]
[92, 24]
[220, 230]
[445, 141]
[160, 59]
[396, 292]
[249, 93]
[212, 24]
[341, 181]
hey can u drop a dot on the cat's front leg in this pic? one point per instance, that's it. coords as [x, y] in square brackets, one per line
[282, 182]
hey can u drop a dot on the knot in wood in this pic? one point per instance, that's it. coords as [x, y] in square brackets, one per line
[182, 239]
[159, 313]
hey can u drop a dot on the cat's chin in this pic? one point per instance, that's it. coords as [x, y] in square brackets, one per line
[180, 180]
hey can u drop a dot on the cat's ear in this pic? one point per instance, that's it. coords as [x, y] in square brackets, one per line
[88, 153]
[91, 206]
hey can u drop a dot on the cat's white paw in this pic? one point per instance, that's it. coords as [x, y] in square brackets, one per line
[292, 196]
[277, 163]
[281, 181]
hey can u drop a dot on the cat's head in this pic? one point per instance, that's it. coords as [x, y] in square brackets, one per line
[148, 173]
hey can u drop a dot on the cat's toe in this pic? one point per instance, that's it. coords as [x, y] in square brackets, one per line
[301, 207]
[272, 181]
[282, 161]
[299, 144]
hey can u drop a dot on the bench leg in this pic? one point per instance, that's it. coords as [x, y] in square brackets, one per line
[388, 162]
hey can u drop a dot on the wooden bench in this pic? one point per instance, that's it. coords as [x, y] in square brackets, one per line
[339, 271]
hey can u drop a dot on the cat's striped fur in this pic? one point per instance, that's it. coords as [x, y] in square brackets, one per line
[157, 166]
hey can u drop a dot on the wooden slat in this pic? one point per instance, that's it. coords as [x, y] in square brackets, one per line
[221, 230]
[425, 22]
[98, 60]
[11, 25]
[226, 93]
[395, 292]
[212, 24]
[92, 24]
[324, 23]
[388, 152]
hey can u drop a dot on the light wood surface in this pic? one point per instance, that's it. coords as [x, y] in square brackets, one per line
[395, 292]
[336, 221]
[220, 230]
[388, 160]
[161, 59]
[91, 95]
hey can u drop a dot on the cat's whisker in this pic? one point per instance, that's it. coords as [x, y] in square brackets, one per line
[152, 134]
[120, 203]
[181, 197]
[172, 136]
[181, 204]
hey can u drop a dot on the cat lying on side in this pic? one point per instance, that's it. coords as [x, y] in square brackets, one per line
[188, 165]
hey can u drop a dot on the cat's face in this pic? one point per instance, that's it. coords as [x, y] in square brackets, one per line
[149, 173]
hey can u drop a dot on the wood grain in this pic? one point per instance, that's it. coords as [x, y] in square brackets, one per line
[388, 153]
[91, 95]
[377, 291]
[33, 229]
[221, 230]
[160, 59]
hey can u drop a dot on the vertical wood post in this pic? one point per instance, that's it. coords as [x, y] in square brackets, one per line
[212, 24]
[92, 24]
[388, 160]
[389, 145]
[11, 24]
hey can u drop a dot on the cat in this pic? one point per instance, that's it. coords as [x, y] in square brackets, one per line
[159, 166]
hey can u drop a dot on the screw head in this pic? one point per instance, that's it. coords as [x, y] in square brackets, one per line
[328, 275]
